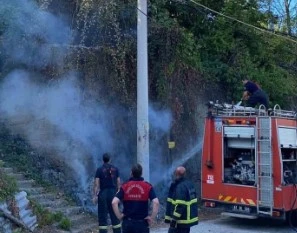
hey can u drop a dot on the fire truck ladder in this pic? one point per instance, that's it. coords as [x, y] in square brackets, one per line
[265, 179]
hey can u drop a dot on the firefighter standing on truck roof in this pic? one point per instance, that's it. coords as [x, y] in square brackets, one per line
[182, 205]
[253, 94]
[135, 195]
[106, 184]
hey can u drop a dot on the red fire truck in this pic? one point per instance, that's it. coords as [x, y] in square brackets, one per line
[249, 161]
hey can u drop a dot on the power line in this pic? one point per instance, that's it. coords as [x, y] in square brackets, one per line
[244, 23]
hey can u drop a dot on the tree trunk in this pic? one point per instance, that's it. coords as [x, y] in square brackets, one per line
[288, 16]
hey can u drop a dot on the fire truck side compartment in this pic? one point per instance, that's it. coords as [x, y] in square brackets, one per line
[232, 180]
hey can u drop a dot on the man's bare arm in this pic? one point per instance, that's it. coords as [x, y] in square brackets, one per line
[155, 207]
[115, 206]
[245, 95]
[155, 203]
[96, 189]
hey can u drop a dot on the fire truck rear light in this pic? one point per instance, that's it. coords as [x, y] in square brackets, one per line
[230, 122]
[276, 214]
[209, 204]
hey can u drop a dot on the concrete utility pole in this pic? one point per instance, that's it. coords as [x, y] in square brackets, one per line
[142, 90]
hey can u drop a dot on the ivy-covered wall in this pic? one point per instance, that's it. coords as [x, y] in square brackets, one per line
[194, 56]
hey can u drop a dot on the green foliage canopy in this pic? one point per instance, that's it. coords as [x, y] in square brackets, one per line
[226, 51]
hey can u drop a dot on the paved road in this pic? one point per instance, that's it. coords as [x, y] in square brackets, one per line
[234, 225]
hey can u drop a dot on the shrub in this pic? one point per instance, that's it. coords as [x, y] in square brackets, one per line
[8, 186]
[65, 224]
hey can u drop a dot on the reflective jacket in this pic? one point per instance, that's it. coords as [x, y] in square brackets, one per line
[182, 204]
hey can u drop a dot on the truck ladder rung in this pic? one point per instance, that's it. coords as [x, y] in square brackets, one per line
[264, 212]
[265, 189]
[265, 178]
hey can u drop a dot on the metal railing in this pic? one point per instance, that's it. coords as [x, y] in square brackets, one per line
[218, 109]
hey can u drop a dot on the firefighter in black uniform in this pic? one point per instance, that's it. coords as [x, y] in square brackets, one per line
[106, 184]
[135, 195]
[253, 94]
[182, 205]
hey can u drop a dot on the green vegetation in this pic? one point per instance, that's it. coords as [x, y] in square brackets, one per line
[8, 188]
[18, 230]
[184, 42]
[224, 51]
[192, 56]
[17, 154]
[46, 218]
[8, 185]
[65, 224]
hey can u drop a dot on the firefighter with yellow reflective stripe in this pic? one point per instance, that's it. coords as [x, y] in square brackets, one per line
[106, 184]
[182, 205]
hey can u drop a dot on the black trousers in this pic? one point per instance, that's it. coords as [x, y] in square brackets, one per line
[183, 230]
[135, 226]
[258, 97]
[104, 208]
[179, 230]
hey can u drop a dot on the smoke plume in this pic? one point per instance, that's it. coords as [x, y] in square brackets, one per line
[54, 115]
[29, 34]
[51, 115]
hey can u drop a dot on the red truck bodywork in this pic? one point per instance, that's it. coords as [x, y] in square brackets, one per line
[223, 180]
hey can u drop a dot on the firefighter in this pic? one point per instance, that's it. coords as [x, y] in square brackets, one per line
[253, 94]
[106, 184]
[135, 195]
[182, 205]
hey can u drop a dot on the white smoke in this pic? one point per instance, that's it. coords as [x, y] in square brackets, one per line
[52, 115]
[55, 115]
[29, 34]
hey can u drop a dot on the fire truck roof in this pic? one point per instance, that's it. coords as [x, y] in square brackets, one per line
[224, 109]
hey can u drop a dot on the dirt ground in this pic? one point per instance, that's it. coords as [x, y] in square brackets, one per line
[209, 213]
[204, 214]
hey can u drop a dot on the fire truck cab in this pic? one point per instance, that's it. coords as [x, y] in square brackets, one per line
[249, 161]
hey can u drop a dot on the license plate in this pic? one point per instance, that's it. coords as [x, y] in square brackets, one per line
[243, 209]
